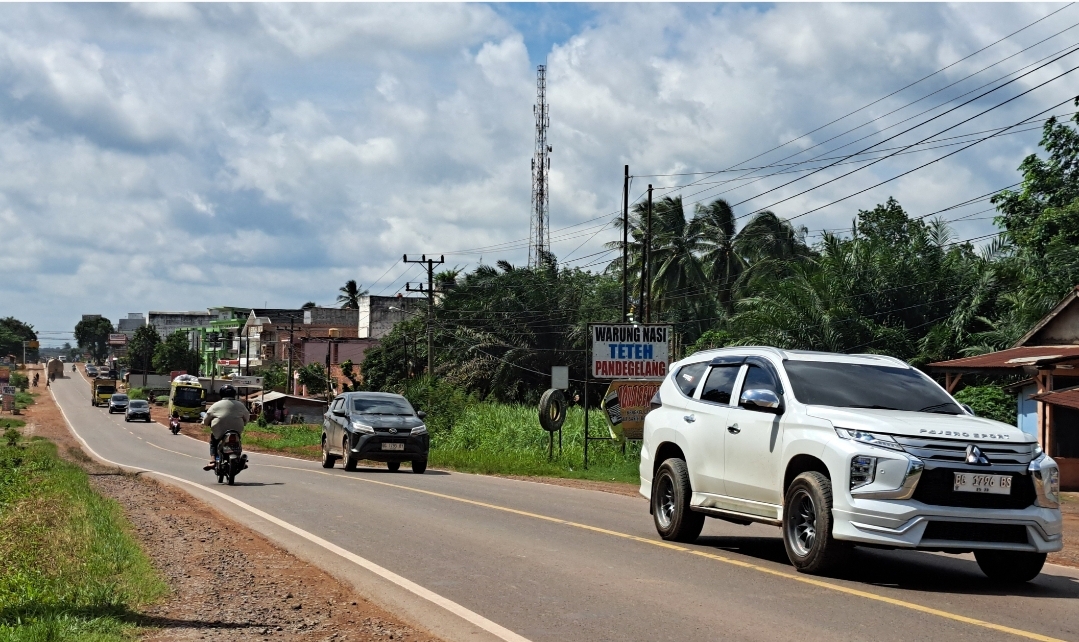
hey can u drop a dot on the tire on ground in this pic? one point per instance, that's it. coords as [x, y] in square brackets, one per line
[807, 526]
[350, 461]
[671, 493]
[394, 466]
[552, 410]
[327, 459]
[1014, 567]
[419, 465]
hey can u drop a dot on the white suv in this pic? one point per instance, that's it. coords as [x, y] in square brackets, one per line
[844, 449]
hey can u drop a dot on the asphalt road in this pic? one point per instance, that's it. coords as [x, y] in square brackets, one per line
[474, 557]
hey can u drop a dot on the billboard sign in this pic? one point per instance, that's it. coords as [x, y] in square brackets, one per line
[117, 339]
[246, 382]
[625, 405]
[630, 351]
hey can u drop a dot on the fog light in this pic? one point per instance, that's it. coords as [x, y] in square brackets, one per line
[862, 471]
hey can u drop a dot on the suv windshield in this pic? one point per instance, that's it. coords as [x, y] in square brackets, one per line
[856, 385]
[382, 406]
[138, 404]
[119, 397]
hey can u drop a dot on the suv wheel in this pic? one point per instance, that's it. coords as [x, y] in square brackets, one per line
[670, 503]
[419, 466]
[394, 466]
[807, 524]
[350, 461]
[1010, 566]
[327, 458]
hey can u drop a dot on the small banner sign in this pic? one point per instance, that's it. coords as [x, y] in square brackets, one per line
[625, 405]
[246, 382]
[630, 351]
[118, 339]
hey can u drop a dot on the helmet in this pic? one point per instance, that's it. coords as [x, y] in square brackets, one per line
[228, 391]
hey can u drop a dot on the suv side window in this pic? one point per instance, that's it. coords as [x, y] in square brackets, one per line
[337, 403]
[720, 384]
[689, 376]
[760, 378]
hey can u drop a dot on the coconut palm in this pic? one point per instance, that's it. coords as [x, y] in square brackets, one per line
[350, 295]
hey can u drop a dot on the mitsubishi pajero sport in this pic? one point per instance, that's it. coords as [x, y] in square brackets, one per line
[840, 450]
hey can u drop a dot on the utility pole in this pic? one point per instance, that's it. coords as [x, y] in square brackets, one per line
[430, 263]
[625, 245]
[291, 329]
[646, 299]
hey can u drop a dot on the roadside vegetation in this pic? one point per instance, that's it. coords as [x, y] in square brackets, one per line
[70, 568]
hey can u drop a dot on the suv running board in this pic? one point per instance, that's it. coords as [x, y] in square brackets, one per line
[735, 517]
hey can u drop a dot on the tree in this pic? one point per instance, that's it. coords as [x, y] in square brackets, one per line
[313, 376]
[175, 353]
[92, 336]
[350, 295]
[308, 305]
[12, 334]
[141, 348]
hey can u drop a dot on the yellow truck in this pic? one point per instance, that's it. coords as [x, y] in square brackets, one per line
[101, 390]
[186, 396]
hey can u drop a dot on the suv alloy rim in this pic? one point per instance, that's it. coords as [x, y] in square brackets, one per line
[665, 509]
[802, 528]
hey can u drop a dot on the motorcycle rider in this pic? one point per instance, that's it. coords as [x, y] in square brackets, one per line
[225, 415]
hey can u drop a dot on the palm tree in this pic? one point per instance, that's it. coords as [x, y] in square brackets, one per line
[350, 295]
[714, 226]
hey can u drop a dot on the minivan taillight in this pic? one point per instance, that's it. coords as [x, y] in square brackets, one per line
[656, 402]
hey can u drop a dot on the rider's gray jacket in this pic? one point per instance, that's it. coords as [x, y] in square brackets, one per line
[226, 415]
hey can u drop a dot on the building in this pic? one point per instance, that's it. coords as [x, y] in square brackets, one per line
[168, 322]
[378, 314]
[133, 322]
[1046, 363]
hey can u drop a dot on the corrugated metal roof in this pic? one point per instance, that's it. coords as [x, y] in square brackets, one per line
[1068, 398]
[1012, 358]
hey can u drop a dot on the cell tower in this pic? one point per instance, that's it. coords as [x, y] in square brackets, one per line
[539, 233]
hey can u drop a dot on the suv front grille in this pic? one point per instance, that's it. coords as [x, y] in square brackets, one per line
[972, 532]
[955, 450]
[936, 488]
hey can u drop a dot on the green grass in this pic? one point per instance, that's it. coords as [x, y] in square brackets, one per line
[6, 423]
[70, 567]
[24, 399]
[492, 439]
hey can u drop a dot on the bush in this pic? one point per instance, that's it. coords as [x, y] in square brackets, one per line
[12, 437]
[990, 402]
[161, 399]
[20, 381]
[136, 393]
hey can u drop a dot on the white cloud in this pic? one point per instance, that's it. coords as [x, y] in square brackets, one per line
[179, 156]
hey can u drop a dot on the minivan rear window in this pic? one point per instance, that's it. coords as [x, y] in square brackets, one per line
[859, 385]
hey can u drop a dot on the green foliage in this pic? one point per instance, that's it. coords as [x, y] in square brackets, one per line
[990, 402]
[141, 348]
[12, 333]
[175, 353]
[20, 381]
[136, 393]
[262, 422]
[348, 370]
[23, 399]
[274, 376]
[72, 569]
[313, 376]
[161, 399]
[92, 336]
[350, 295]
[12, 436]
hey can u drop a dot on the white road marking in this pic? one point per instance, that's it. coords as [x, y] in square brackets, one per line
[472, 617]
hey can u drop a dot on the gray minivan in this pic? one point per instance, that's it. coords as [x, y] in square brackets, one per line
[378, 426]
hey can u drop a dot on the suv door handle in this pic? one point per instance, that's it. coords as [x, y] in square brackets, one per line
[734, 429]
[689, 419]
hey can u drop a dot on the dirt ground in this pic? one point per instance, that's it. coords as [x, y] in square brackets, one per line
[227, 582]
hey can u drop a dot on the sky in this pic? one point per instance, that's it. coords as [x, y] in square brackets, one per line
[178, 157]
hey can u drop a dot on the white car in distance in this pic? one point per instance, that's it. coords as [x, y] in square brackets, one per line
[839, 450]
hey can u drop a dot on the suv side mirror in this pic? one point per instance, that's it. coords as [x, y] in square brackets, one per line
[421, 414]
[968, 409]
[760, 399]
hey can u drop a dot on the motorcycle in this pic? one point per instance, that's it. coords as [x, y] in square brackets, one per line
[174, 424]
[231, 458]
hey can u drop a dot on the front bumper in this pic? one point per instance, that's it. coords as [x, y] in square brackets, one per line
[907, 524]
[369, 446]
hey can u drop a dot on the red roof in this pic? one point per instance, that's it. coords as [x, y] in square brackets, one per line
[1068, 398]
[1011, 359]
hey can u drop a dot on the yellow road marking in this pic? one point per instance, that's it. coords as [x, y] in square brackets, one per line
[712, 556]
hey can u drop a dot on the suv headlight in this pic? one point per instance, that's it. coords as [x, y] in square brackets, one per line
[419, 430]
[871, 438]
[364, 428]
[1046, 475]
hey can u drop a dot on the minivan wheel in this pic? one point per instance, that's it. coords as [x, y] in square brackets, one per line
[1010, 566]
[327, 458]
[394, 466]
[419, 465]
[671, 493]
[807, 525]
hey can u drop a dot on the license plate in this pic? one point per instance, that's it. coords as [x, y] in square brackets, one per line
[977, 483]
[393, 446]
